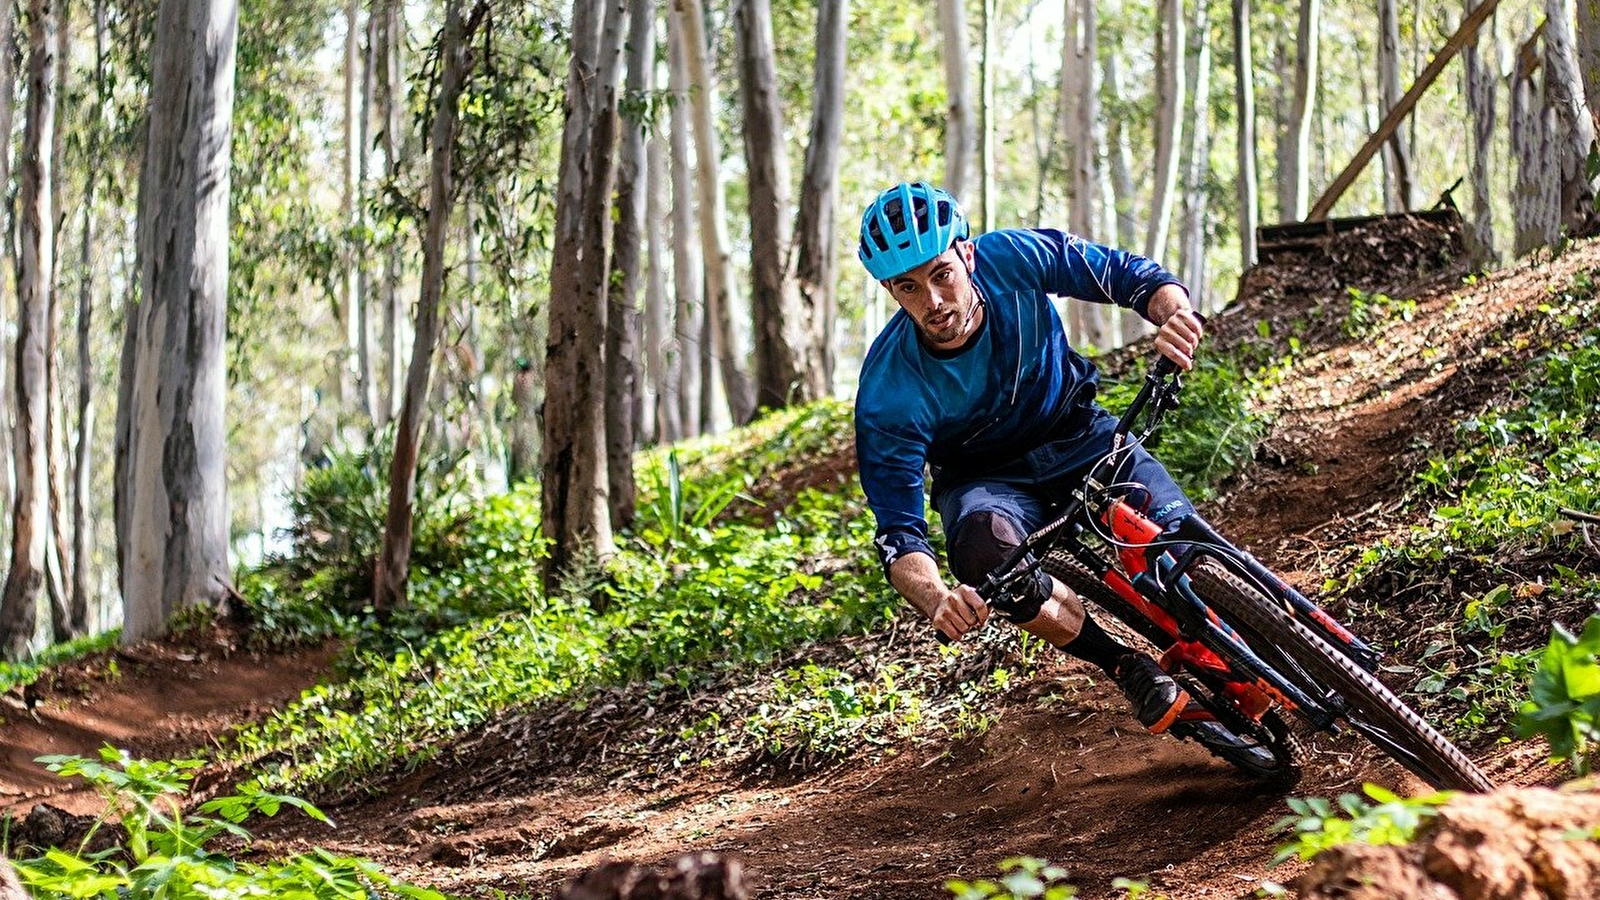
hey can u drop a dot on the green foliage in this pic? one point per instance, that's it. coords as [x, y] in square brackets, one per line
[1565, 703]
[1391, 820]
[1021, 878]
[824, 712]
[695, 591]
[1214, 433]
[1369, 313]
[20, 673]
[159, 851]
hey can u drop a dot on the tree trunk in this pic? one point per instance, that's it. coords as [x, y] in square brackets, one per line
[1397, 183]
[1574, 127]
[177, 507]
[576, 518]
[1481, 82]
[960, 131]
[1197, 169]
[8, 85]
[30, 508]
[349, 200]
[1244, 93]
[622, 304]
[1588, 40]
[1534, 204]
[391, 94]
[1081, 110]
[819, 197]
[366, 389]
[782, 368]
[986, 144]
[82, 529]
[394, 562]
[1297, 157]
[688, 315]
[720, 300]
[661, 359]
[1170, 45]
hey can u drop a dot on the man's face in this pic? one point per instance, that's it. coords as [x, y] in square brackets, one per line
[938, 296]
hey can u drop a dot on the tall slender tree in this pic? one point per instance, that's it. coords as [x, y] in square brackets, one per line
[1588, 51]
[1480, 82]
[1170, 46]
[394, 561]
[36, 250]
[1574, 127]
[622, 291]
[575, 514]
[1295, 159]
[1197, 156]
[721, 300]
[174, 477]
[688, 307]
[819, 197]
[1534, 204]
[1398, 191]
[960, 134]
[1244, 93]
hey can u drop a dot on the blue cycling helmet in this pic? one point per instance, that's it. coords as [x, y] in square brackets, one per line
[893, 243]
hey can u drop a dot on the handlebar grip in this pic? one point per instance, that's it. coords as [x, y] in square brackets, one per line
[1164, 367]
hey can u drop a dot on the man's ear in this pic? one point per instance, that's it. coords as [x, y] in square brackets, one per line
[967, 251]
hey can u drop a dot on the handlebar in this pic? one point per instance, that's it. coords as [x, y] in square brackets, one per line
[1161, 384]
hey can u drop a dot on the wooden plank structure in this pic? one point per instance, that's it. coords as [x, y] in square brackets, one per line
[1295, 236]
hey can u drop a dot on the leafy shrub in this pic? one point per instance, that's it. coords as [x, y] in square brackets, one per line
[1318, 826]
[1370, 312]
[1565, 706]
[159, 851]
[819, 713]
[13, 674]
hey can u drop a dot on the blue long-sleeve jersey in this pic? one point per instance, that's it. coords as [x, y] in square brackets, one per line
[1002, 394]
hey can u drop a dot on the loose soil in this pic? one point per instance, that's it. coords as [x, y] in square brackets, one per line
[526, 803]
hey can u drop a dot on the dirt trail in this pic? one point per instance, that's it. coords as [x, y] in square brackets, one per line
[151, 699]
[1060, 776]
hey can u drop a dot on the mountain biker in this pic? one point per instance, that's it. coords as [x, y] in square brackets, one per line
[974, 379]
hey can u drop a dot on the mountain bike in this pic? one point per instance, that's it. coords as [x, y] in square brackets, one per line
[1247, 646]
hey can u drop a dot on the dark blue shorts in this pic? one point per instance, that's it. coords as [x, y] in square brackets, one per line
[1030, 491]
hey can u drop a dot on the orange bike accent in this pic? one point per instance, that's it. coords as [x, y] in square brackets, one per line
[1131, 528]
[1166, 721]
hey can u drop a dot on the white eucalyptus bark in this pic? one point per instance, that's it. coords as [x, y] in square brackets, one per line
[177, 507]
[1398, 192]
[688, 312]
[575, 510]
[1244, 93]
[1481, 82]
[8, 83]
[1588, 47]
[1169, 125]
[961, 132]
[986, 143]
[720, 295]
[1534, 206]
[366, 387]
[661, 359]
[1574, 127]
[30, 523]
[815, 240]
[394, 561]
[1302, 110]
[349, 201]
[82, 529]
[1197, 165]
[391, 95]
[1081, 109]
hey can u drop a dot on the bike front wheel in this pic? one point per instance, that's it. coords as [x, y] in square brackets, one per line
[1321, 670]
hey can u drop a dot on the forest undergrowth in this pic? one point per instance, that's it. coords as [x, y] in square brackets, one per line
[743, 626]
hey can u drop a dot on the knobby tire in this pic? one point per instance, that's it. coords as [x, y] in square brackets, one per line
[1277, 759]
[1372, 708]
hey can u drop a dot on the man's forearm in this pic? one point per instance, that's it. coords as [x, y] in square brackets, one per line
[916, 577]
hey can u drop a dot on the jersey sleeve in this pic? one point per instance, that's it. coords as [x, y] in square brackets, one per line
[891, 457]
[1069, 266]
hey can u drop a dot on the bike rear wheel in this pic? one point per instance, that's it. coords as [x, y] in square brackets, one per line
[1264, 750]
[1319, 669]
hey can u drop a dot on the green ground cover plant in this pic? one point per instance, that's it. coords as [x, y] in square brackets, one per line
[1381, 818]
[145, 844]
[14, 674]
[686, 601]
[1565, 702]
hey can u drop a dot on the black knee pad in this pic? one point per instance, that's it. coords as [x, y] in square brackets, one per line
[981, 542]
